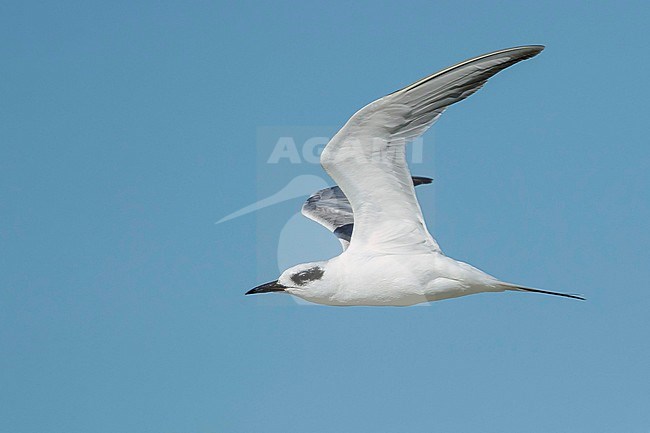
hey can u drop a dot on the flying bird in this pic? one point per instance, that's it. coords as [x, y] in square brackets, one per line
[389, 258]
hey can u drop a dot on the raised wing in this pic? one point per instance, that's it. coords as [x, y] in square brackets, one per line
[366, 157]
[330, 208]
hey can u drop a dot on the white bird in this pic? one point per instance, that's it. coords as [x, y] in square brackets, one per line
[389, 258]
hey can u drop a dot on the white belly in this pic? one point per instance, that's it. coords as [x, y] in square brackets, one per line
[397, 280]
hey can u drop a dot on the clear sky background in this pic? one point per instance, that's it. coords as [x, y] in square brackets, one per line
[129, 128]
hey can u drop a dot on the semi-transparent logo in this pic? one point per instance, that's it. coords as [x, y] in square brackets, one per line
[288, 171]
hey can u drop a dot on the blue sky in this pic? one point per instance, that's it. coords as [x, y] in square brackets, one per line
[129, 128]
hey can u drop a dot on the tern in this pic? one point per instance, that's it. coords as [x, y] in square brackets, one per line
[389, 258]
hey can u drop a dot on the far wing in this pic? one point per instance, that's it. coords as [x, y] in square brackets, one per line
[330, 208]
[366, 158]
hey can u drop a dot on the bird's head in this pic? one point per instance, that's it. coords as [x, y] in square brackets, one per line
[306, 277]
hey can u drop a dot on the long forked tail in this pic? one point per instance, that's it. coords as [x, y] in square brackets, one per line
[516, 288]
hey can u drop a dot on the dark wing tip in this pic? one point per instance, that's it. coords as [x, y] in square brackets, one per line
[530, 51]
[344, 232]
[421, 180]
[536, 47]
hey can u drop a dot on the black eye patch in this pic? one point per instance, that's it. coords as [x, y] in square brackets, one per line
[303, 277]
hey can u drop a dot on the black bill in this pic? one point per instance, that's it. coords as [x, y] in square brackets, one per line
[273, 286]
